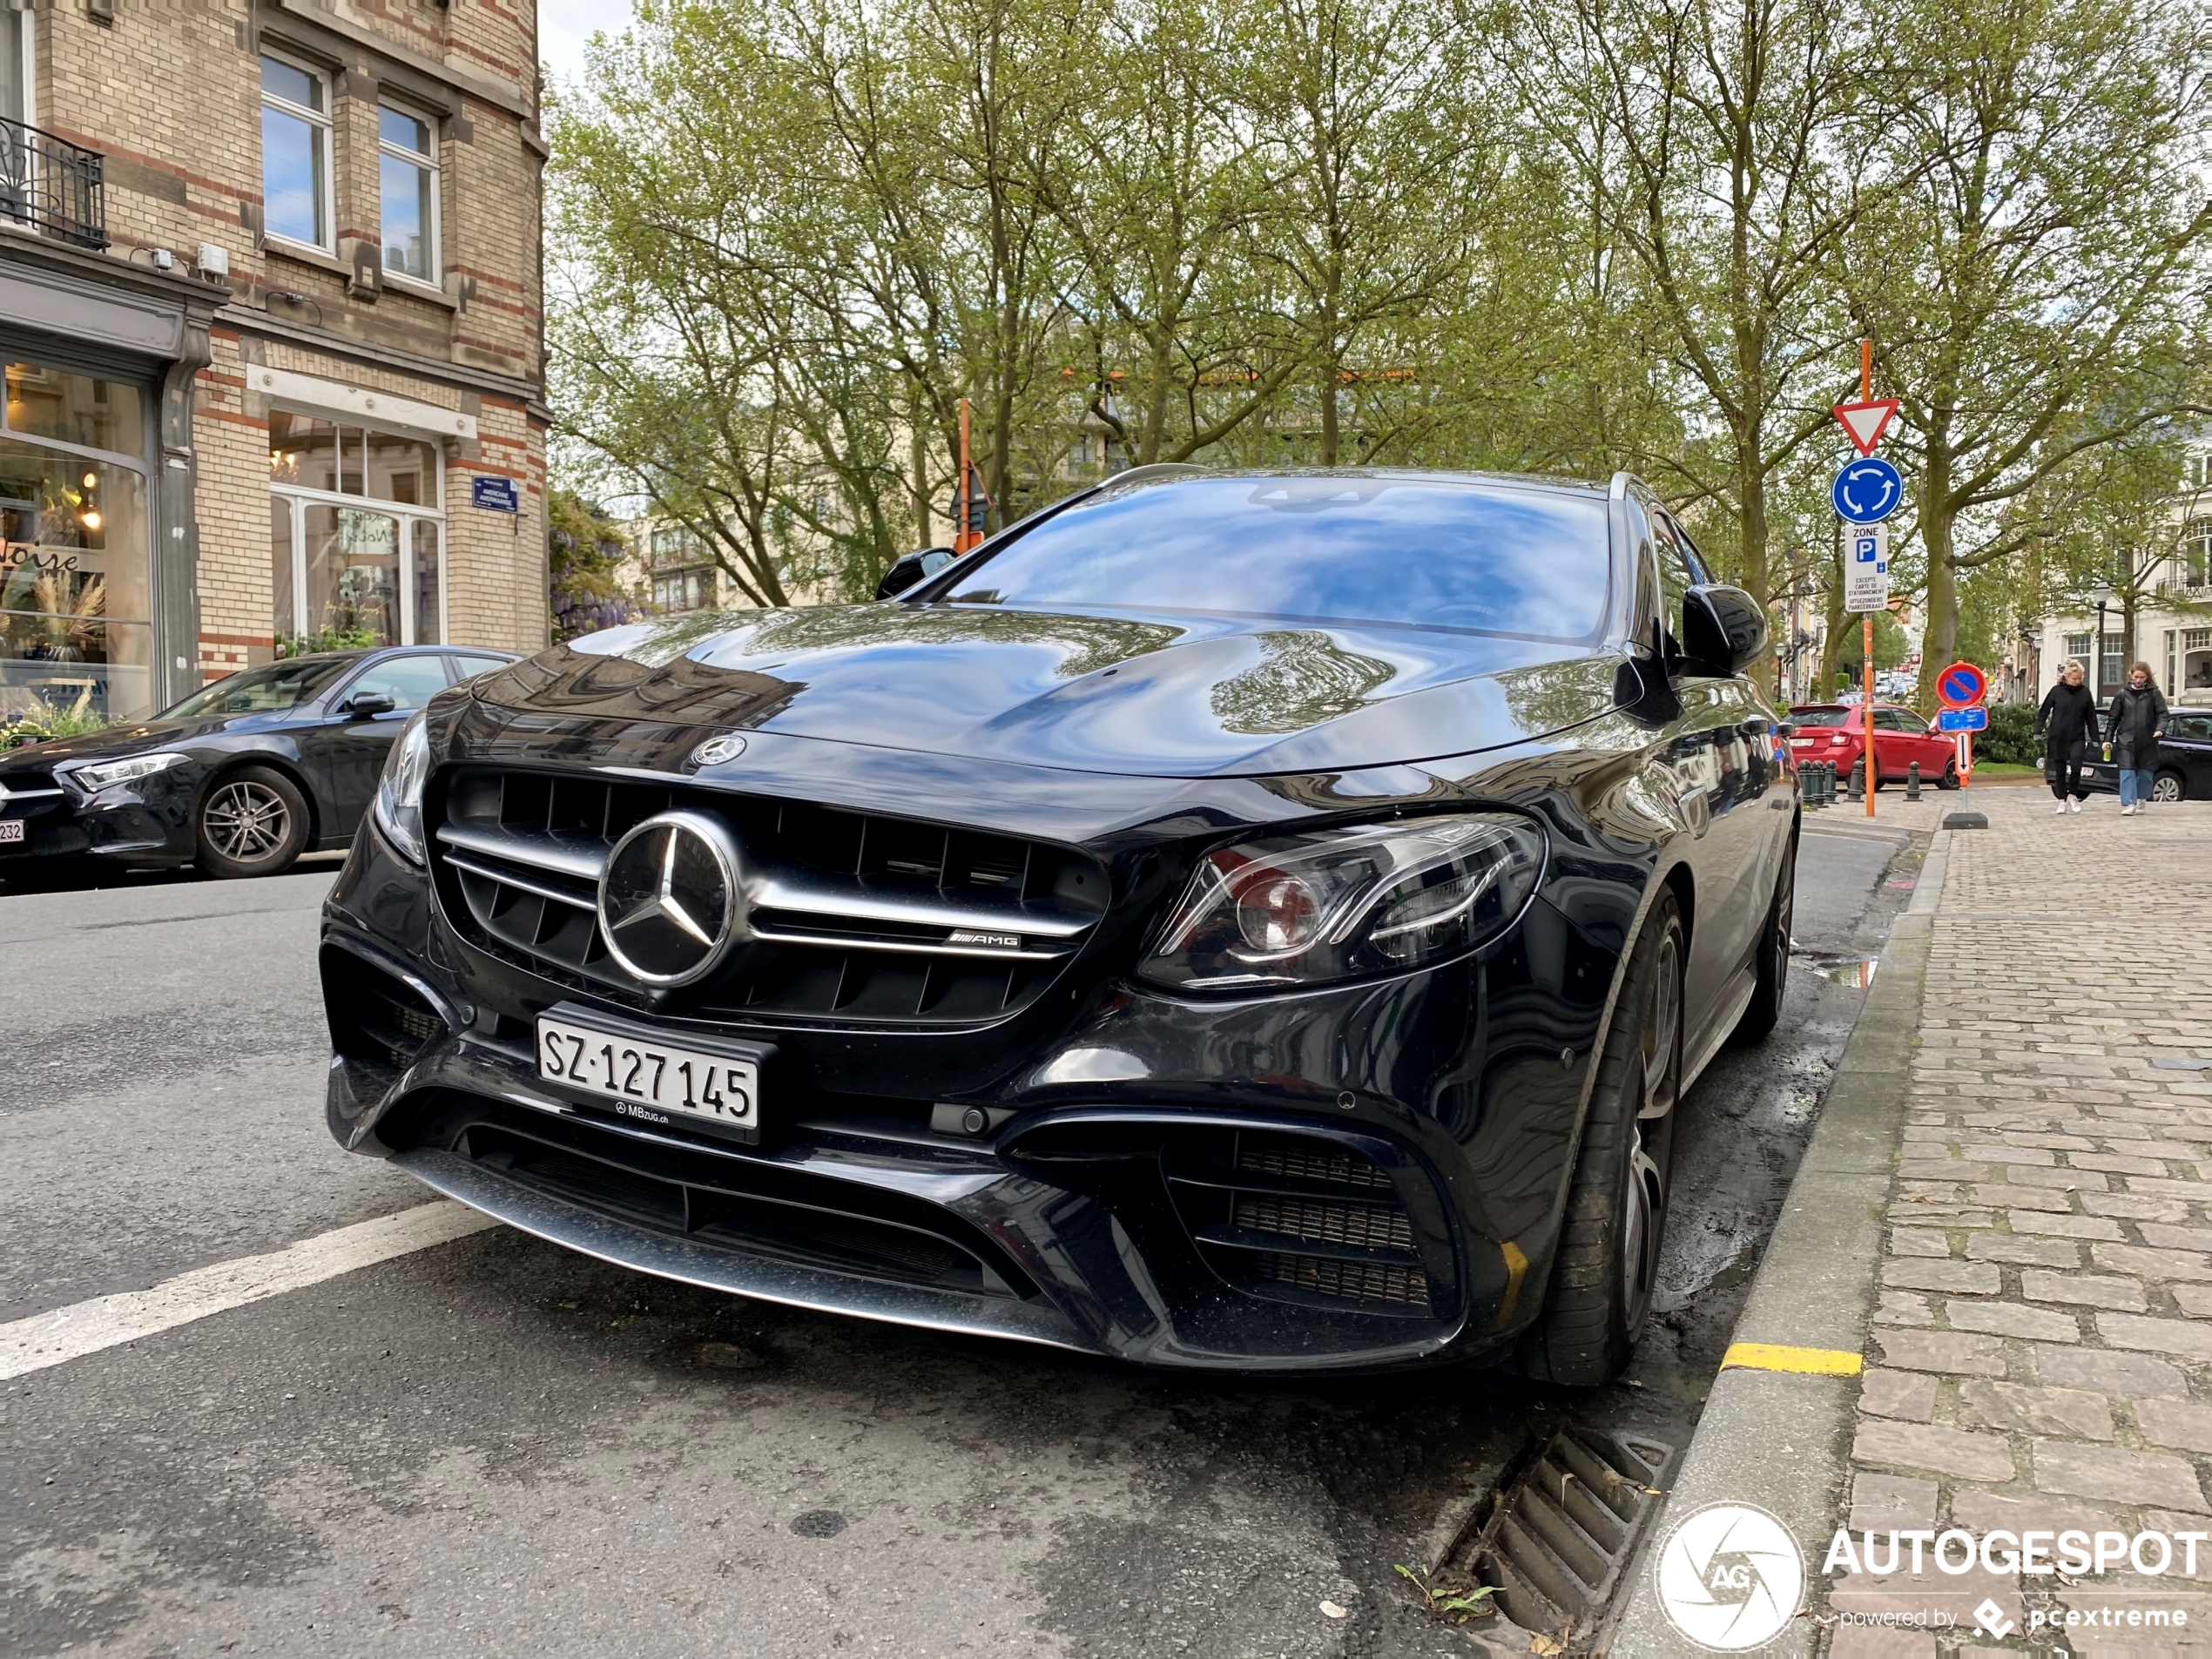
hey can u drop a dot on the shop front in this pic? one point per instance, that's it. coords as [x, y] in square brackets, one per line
[77, 622]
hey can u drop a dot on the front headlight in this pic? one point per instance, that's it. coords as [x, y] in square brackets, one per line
[92, 779]
[1340, 904]
[399, 794]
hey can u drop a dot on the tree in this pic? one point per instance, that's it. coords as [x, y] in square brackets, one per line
[2126, 528]
[584, 553]
[2028, 276]
[1718, 136]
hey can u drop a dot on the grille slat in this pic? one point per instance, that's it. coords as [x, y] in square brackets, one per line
[1346, 1281]
[852, 917]
[1357, 1226]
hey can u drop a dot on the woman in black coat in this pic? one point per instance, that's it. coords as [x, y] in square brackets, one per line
[2067, 724]
[2138, 722]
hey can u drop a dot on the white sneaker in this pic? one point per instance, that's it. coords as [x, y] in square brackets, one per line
[2074, 805]
[2059, 809]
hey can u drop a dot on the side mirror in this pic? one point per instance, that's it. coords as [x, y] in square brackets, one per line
[913, 570]
[1722, 628]
[370, 703]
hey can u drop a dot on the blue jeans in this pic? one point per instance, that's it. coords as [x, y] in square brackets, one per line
[2135, 784]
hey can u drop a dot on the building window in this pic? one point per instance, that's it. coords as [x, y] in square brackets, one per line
[357, 538]
[14, 66]
[2197, 554]
[295, 154]
[2196, 661]
[2077, 651]
[407, 189]
[2196, 470]
[76, 546]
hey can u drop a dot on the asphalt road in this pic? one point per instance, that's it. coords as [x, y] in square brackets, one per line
[495, 1447]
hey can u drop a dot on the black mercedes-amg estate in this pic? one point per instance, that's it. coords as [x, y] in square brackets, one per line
[1254, 921]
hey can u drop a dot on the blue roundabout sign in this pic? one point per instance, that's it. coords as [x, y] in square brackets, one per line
[1866, 491]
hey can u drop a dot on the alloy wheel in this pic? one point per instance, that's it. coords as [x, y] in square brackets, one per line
[246, 822]
[1652, 1130]
[2166, 787]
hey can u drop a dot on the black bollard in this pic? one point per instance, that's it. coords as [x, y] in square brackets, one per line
[1857, 779]
[1913, 781]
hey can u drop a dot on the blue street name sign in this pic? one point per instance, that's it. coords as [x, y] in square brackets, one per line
[1866, 491]
[494, 495]
[1962, 720]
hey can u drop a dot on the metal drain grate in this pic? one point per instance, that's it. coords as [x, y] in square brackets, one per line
[1558, 1541]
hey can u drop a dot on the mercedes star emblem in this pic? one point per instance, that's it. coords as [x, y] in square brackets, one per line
[715, 751]
[671, 901]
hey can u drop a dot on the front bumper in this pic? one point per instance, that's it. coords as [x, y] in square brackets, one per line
[1363, 1177]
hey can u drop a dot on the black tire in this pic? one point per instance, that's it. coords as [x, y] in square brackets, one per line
[1772, 960]
[252, 821]
[1599, 1293]
[1950, 779]
[2169, 786]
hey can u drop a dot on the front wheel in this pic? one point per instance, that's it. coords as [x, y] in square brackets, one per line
[1608, 1260]
[2168, 786]
[1771, 962]
[253, 822]
[1949, 775]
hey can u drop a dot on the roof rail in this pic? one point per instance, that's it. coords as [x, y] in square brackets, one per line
[1619, 490]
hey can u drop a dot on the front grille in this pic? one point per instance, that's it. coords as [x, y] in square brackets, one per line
[854, 917]
[761, 1209]
[1345, 1281]
[1301, 1218]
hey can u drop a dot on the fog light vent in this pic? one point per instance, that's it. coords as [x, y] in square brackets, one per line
[1359, 1225]
[1287, 1158]
[1344, 1280]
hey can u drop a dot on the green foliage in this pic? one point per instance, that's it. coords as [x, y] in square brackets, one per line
[1446, 1597]
[43, 722]
[1891, 646]
[357, 638]
[2010, 739]
[585, 554]
[1561, 236]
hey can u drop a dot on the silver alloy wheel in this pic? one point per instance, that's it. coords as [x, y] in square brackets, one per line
[1647, 1194]
[2166, 787]
[245, 821]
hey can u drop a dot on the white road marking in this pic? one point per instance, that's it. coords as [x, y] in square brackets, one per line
[63, 1334]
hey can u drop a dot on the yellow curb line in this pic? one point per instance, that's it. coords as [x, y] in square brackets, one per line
[1775, 1356]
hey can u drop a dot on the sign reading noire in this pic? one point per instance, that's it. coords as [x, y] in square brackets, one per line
[494, 495]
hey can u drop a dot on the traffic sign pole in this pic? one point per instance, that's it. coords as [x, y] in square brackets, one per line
[1866, 702]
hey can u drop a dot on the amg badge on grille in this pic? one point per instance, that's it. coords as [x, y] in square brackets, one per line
[994, 942]
[670, 899]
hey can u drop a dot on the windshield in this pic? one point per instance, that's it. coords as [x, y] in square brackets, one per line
[1318, 546]
[1823, 716]
[265, 691]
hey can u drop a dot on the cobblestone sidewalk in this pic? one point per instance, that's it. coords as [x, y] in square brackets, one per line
[2041, 1357]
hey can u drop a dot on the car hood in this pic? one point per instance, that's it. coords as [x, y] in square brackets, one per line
[1131, 691]
[134, 739]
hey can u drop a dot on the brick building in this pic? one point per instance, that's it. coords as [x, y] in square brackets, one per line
[271, 308]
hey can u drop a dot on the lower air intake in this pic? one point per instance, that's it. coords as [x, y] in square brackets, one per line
[1345, 1281]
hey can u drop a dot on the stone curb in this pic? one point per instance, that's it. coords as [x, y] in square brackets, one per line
[1782, 1440]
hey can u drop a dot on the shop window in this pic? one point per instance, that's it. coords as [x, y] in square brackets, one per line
[76, 606]
[295, 154]
[408, 192]
[76, 408]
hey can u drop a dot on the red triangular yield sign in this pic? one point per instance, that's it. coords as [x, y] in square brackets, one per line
[1867, 421]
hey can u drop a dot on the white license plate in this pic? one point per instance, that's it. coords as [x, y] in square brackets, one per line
[1801, 743]
[654, 1081]
[12, 831]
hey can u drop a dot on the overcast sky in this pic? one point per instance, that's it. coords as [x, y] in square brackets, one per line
[564, 25]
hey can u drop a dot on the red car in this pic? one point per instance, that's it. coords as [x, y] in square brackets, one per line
[1834, 733]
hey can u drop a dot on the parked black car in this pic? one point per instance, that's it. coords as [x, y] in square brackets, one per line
[1253, 922]
[241, 777]
[2184, 770]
